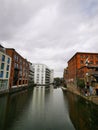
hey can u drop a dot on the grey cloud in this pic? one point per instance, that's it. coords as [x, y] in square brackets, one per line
[14, 14]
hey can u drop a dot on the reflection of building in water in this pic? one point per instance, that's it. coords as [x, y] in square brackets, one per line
[38, 99]
[82, 113]
[3, 109]
[42, 74]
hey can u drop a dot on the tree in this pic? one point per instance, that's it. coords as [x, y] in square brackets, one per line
[80, 83]
[57, 81]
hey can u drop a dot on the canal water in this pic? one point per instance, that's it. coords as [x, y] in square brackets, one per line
[47, 109]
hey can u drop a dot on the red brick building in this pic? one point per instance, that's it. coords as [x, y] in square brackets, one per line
[77, 65]
[19, 69]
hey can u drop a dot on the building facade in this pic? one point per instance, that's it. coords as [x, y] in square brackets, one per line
[42, 74]
[31, 74]
[5, 66]
[52, 76]
[77, 65]
[19, 69]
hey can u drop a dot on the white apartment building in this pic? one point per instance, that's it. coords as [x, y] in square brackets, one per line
[51, 76]
[41, 74]
[5, 65]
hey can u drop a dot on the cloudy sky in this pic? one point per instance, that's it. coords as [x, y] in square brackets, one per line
[49, 31]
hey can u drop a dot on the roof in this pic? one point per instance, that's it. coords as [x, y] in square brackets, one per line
[10, 49]
[82, 53]
[1, 46]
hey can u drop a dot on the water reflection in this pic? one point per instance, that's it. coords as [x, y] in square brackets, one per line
[47, 109]
[83, 114]
[38, 109]
[11, 109]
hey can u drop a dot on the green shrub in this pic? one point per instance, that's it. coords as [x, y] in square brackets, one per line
[80, 83]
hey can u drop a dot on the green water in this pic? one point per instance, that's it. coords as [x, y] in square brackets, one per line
[47, 109]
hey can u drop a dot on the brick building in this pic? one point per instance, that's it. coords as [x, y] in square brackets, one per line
[19, 69]
[77, 65]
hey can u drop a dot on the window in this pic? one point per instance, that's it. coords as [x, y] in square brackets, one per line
[91, 62]
[7, 68]
[2, 66]
[26, 64]
[96, 62]
[86, 56]
[8, 60]
[20, 67]
[15, 58]
[81, 62]
[15, 65]
[96, 69]
[20, 61]
[91, 57]
[81, 56]
[7, 74]
[3, 57]
[97, 57]
[1, 74]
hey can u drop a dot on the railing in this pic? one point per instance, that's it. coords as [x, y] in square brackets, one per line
[93, 73]
[3, 86]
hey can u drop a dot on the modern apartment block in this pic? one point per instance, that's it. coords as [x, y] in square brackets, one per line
[51, 76]
[5, 65]
[77, 65]
[42, 74]
[19, 69]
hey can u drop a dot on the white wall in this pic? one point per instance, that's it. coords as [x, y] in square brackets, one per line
[39, 73]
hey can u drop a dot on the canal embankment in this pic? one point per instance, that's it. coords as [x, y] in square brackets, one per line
[75, 90]
[15, 90]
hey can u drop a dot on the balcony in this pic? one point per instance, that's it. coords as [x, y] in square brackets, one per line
[93, 73]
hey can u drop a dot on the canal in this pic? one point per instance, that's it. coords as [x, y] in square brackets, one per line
[47, 109]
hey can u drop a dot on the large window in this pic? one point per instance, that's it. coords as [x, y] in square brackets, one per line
[3, 57]
[1, 74]
[7, 68]
[15, 57]
[8, 60]
[7, 74]
[15, 65]
[20, 67]
[2, 66]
